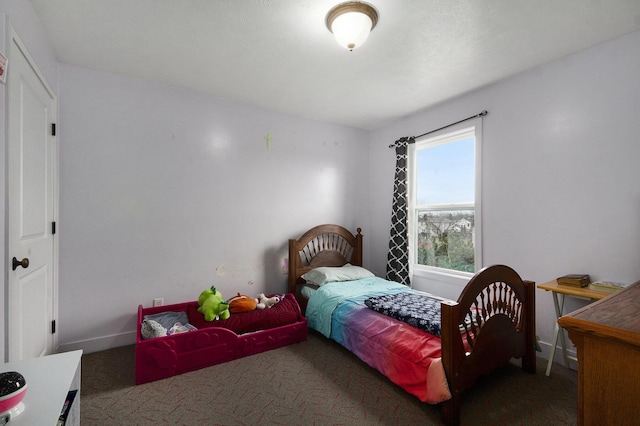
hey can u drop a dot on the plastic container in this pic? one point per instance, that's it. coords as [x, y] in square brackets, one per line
[13, 387]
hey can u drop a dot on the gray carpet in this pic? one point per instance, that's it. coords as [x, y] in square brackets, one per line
[315, 382]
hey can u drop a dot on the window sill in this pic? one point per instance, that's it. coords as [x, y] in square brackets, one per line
[459, 279]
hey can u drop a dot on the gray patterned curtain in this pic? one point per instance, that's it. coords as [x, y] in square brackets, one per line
[398, 258]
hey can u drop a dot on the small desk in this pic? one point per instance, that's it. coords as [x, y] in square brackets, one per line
[562, 290]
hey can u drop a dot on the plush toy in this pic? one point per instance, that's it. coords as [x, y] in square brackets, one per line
[242, 303]
[266, 302]
[151, 329]
[212, 305]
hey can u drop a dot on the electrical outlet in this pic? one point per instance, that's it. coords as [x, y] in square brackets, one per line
[158, 302]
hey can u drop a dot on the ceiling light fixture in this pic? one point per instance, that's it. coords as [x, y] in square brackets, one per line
[351, 23]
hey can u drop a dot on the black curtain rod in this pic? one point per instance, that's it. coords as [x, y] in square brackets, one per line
[482, 114]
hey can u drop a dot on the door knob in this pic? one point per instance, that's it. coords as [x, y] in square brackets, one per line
[24, 263]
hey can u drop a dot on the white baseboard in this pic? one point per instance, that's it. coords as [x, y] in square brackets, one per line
[558, 356]
[100, 343]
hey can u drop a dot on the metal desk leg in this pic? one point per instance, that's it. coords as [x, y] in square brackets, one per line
[559, 306]
[554, 342]
[563, 339]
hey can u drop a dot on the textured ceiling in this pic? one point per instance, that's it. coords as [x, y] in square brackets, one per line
[278, 54]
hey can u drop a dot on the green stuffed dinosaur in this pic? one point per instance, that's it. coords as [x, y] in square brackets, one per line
[212, 305]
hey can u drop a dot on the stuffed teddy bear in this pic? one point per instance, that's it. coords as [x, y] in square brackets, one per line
[212, 305]
[266, 302]
[242, 303]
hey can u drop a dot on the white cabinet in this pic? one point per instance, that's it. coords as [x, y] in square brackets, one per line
[49, 380]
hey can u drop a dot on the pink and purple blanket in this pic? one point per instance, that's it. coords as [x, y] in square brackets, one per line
[408, 356]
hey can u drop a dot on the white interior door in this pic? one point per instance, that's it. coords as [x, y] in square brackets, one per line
[32, 177]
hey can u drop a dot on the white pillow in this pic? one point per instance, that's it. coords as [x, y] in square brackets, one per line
[328, 274]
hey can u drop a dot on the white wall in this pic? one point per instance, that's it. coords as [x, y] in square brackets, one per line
[561, 148]
[165, 192]
[19, 15]
[157, 183]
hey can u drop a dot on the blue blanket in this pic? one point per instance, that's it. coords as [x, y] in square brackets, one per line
[324, 301]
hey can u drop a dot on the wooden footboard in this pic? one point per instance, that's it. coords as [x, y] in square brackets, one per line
[492, 322]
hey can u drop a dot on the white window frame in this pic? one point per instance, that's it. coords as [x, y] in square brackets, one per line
[448, 135]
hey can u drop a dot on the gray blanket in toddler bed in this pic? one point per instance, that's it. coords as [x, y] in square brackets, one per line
[169, 319]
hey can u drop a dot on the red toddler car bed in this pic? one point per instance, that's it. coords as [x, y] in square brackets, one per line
[215, 342]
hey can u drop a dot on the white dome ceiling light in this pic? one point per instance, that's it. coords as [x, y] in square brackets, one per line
[351, 23]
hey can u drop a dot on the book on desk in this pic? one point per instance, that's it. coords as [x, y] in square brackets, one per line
[607, 286]
[574, 280]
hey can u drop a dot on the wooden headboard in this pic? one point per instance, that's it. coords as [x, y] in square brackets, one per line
[323, 245]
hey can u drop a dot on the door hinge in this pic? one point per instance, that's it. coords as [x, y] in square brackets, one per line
[53, 228]
[53, 129]
[53, 327]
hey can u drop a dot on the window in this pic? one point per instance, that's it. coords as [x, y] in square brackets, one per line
[444, 203]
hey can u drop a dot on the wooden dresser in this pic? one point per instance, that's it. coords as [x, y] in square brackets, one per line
[607, 338]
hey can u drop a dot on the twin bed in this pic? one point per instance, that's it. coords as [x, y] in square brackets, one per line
[492, 321]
